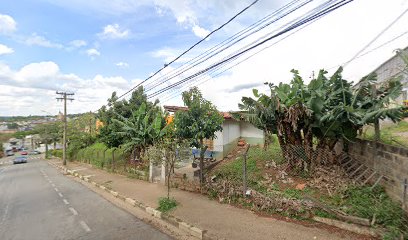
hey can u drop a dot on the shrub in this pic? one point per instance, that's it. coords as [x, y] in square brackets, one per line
[56, 153]
[166, 204]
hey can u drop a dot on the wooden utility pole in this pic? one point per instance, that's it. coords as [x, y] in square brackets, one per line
[64, 137]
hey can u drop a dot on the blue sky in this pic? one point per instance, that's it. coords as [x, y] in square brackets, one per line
[95, 47]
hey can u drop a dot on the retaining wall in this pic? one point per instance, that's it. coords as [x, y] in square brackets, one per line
[389, 161]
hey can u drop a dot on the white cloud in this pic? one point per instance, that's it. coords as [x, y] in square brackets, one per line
[32, 89]
[37, 40]
[78, 43]
[92, 52]
[7, 24]
[122, 64]
[199, 31]
[114, 31]
[5, 50]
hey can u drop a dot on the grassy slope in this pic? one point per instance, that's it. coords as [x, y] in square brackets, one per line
[393, 134]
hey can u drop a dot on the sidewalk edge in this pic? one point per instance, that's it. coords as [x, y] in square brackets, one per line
[170, 219]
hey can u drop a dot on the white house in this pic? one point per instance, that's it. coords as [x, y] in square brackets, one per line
[232, 130]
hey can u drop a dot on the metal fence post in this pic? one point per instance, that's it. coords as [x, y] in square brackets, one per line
[244, 169]
[113, 159]
[404, 196]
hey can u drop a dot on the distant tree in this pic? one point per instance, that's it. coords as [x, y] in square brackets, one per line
[108, 134]
[201, 121]
[12, 126]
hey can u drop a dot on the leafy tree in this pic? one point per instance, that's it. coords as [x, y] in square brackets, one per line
[80, 133]
[168, 150]
[377, 101]
[108, 134]
[201, 121]
[12, 125]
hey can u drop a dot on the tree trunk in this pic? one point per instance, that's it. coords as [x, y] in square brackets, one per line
[267, 140]
[377, 134]
[202, 152]
[168, 168]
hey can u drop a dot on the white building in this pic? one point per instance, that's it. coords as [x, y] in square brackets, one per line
[395, 67]
[232, 130]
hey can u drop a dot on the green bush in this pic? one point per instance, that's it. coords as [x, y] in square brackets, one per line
[56, 153]
[166, 204]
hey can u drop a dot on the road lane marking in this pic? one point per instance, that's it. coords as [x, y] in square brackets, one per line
[85, 226]
[74, 212]
[60, 194]
[5, 214]
[65, 201]
[52, 184]
[56, 189]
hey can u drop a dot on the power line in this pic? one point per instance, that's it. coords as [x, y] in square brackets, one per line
[265, 36]
[288, 29]
[374, 49]
[243, 34]
[234, 65]
[376, 37]
[194, 45]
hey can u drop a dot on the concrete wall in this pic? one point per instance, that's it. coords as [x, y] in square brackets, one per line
[251, 134]
[390, 161]
[219, 146]
[232, 131]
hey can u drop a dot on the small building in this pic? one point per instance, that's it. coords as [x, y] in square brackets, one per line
[232, 130]
[395, 67]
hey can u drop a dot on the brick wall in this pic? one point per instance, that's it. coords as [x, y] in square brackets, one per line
[389, 161]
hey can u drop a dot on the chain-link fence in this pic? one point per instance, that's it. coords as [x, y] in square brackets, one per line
[112, 159]
[307, 158]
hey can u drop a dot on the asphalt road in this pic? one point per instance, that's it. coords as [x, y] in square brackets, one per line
[38, 202]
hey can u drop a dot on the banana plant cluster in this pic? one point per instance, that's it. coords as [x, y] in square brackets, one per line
[317, 115]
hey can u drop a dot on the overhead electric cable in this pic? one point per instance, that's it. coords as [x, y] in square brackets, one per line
[194, 45]
[234, 65]
[211, 54]
[376, 37]
[297, 24]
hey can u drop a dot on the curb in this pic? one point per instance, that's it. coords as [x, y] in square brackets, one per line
[180, 224]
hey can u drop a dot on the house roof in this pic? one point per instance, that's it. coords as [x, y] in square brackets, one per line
[174, 109]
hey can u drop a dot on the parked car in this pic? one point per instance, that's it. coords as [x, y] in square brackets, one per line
[9, 153]
[24, 152]
[21, 159]
[34, 152]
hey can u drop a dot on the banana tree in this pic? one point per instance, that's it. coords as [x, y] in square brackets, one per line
[141, 129]
[315, 116]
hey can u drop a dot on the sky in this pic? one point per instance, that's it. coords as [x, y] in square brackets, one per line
[95, 47]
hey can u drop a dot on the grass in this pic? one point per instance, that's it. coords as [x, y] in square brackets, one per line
[389, 134]
[256, 160]
[364, 202]
[166, 204]
[360, 201]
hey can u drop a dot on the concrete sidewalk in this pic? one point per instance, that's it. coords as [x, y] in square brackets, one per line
[220, 220]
